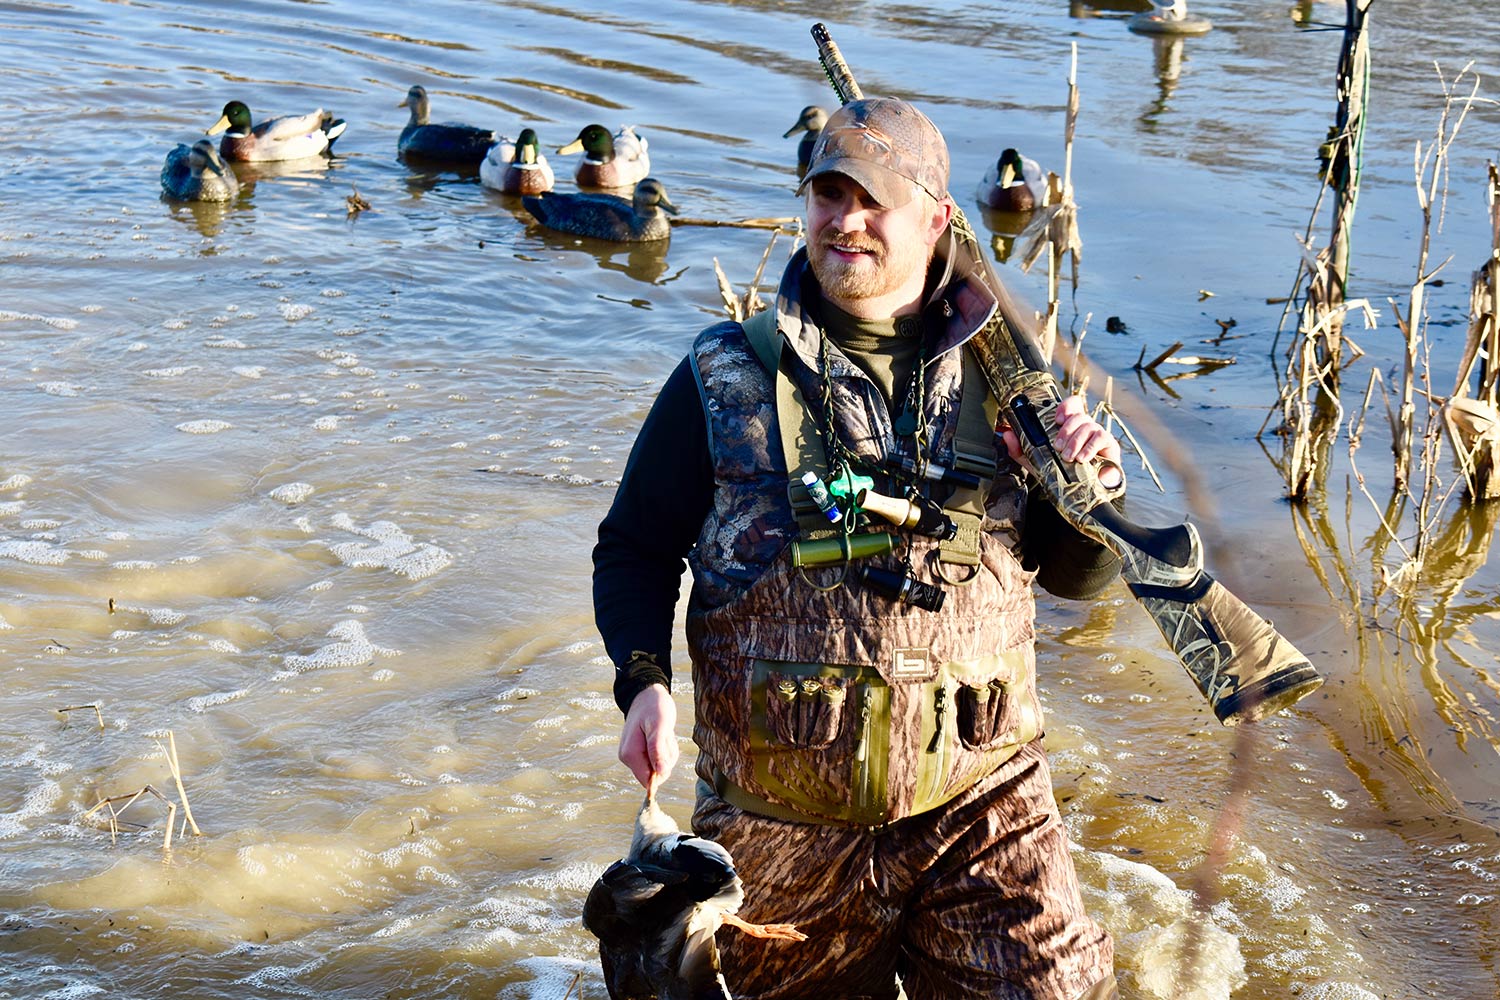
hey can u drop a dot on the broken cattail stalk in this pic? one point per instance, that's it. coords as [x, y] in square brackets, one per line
[78, 708]
[129, 800]
[777, 223]
[187, 810]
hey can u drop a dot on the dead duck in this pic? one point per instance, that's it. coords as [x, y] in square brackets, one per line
[811, 121]
[1015, 183]
[198, 173]
[466, 144]
[607, 216]
[656, 911]
[288, 137]
[517, 168]
[610, 161]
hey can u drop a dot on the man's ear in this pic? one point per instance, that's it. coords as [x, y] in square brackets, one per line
[942, 213]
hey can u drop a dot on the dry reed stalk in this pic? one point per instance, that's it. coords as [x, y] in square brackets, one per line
[129, 800]
[187, 810]
[775, 224]
[577, 984]
[742, 307]
[1055, 225]
[78, 708]
[1473, 422]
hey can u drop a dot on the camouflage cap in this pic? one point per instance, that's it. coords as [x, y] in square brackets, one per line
[885, 144]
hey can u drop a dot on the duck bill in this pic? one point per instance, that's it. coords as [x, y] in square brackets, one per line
[793, 130]
[667, 206]
[1007, 175]
[219, 125]
[576, 146]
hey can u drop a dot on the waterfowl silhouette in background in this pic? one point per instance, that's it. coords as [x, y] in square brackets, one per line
[655, 913]
[198, 173]
[1014, 183]
[455, 143]
[610, 161]
[517, 168]
[811, 121]
[607, 216]
[287, 137]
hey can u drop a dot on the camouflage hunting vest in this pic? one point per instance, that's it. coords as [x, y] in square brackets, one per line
[840, 705]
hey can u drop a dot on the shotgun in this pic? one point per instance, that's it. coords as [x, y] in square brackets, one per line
[1242, 665]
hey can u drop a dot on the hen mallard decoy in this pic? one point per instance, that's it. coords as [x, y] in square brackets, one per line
[517, 168]
[198, 173]
[467, 144]
[1015, 183]
[607, 216]
[655, 913]
[609, 161]
[288, 137]
[811, 121]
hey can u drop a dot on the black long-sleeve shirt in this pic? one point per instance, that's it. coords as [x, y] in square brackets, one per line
[666, 492]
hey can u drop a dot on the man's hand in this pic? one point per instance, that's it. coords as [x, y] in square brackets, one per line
[648, 744]
[1079, 437]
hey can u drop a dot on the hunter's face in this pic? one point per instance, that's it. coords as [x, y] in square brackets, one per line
[869, 260]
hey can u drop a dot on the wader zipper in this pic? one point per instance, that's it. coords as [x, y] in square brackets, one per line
[862, 748]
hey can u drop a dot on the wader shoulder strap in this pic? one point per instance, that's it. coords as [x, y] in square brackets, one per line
[973, 452]
[801, 445]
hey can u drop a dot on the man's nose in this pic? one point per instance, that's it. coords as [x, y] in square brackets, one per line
[850, 216]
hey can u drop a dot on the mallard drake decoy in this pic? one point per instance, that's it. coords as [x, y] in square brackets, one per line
[517, 168]
[610, 161]
[448, 141]
[1168, 17]
[1014, 184]
[607, 216]
[811, 121]
[288, 137]
[655, 913]
[198, 173]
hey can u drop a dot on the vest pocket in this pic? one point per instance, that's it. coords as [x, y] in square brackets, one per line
[805, 712]
[995, 710]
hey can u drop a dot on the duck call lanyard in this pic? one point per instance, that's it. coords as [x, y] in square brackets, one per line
[808, 446]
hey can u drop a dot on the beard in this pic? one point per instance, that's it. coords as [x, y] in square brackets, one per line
[880, 269]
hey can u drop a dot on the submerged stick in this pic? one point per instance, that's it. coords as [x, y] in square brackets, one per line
[78, 708]
[772, 223]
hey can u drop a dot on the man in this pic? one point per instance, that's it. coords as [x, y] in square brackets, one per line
[868, 724]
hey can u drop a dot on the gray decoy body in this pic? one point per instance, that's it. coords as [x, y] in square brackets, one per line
[607, 216]
[198, 173]
[463, 144]
[811, 121]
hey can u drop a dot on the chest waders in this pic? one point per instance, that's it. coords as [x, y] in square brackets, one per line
[816, 698]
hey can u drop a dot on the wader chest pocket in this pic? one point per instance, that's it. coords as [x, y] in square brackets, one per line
[986, 714]
[805, 712]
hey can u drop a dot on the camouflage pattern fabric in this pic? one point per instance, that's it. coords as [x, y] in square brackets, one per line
[975, 900]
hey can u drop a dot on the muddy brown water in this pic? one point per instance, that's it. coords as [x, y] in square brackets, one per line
[340, 478]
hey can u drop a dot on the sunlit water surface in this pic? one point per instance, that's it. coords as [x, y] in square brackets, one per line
[315, 493]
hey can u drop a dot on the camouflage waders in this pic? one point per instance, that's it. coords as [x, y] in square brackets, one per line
[833, 723]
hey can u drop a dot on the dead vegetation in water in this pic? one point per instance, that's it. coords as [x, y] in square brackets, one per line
[742, 307]
[109, 815]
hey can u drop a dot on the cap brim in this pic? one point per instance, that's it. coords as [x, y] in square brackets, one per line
[887, 187]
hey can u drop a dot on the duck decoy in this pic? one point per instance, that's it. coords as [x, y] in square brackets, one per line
[610, 161]
[1014, 184]
[607, 216]
[198, 173]
[656, 911]
[811, 121]
[1168, 17]
[467, 144]
[288, 137]
[517, 168]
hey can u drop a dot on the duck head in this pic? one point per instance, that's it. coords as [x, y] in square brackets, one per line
[527, 147]
[812, 120]
[235, 117]
[595, 141]
[650, 195]
[416, 100]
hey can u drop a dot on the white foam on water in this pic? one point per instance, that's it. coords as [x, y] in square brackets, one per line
[133, 564]
[5, 624]
[40, 524]
[282, 978]
[59, 388]
[292, 493]
[74, 991]
[15, 482]
[353, 649]
[328, 423]
[204, 702]
[320, 586]
[176, 324]
[10, 507]
[394, 550]
[33, 552]
[56, 322]
[249, 371]
[1334, 799]
[226, 343]
[592, 703]
[574, 878]
[552, 977]
[175, 372]
[38, 801]
[1335, 991]
[137, 347]
[294, 311]
[204, 426]
[383, 675]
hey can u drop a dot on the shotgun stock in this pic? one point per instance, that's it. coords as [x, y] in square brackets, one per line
[1242, 665]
